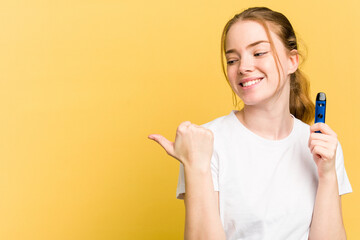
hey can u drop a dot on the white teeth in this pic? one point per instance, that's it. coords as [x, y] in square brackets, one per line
[249, 83]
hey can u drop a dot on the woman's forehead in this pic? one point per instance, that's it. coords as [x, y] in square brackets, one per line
[243, 33]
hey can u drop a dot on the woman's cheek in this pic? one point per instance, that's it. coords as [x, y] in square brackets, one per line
[232, 75]
[231, 71]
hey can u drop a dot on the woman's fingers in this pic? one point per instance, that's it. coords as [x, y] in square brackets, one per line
[193, 145]
[319, 136]
[324, 128]
[323, 145]
[166, 144]
[314, 143]
[322, 152]
[169, 146]
[183, 126]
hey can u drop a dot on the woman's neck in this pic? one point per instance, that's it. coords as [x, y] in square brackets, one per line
[272, 123]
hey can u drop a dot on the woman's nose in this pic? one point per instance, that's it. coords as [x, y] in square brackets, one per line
[246, 65]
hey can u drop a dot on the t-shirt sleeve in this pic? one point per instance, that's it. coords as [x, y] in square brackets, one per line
[180, 190]
[343, 180]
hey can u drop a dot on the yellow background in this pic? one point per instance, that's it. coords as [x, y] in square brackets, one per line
[83, 83]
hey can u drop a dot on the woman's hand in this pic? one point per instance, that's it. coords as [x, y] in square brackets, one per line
[193, 145]
[323, 148]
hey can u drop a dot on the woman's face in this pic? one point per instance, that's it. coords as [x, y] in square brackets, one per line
[251, 67]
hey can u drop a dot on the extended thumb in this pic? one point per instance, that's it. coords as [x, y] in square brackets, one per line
[166, 144]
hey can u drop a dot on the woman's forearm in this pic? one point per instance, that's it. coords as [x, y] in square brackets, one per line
[202, 220]
[327, 220]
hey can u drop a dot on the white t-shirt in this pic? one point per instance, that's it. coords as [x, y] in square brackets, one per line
[267, 188]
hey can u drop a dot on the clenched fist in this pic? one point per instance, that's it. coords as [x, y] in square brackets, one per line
[193, 145]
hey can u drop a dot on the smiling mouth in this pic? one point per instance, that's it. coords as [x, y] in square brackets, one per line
[250, 83]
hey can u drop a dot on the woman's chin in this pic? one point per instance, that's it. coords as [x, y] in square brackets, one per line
[251, 102]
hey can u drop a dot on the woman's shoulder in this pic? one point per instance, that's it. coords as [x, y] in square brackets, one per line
[302, 125]
[302, 129]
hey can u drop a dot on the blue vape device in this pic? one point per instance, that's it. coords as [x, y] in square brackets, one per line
[320, 107]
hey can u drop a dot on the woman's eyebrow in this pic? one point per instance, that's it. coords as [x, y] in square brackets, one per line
[249, 46]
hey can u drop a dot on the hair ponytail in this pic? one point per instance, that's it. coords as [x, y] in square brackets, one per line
[301, 105]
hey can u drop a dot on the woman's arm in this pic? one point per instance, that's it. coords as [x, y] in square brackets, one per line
[193, 147]
[327, 220]
[202, 220]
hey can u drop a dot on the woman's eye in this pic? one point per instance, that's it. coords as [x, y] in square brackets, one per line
[260, 54]
[231, 62]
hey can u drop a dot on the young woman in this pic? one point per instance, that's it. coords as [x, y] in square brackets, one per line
[261, 172]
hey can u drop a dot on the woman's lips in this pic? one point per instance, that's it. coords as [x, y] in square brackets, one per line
[250, 83]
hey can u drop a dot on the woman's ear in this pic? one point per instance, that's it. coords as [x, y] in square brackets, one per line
[293, 61]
